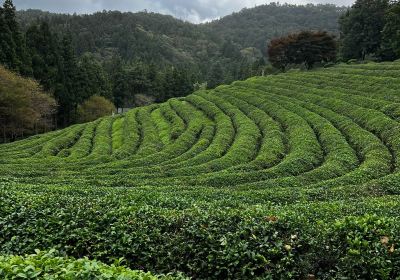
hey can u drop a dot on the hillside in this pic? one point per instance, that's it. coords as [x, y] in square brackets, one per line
[166, 40]
[290, 176]
[254, 27]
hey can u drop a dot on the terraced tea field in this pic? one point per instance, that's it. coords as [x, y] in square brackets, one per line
[291, 176]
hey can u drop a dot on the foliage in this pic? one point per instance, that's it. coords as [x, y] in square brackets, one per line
[288, 176]
[391, 32]
[236, 41]
[128, 57]
[154, 37]
[73, 77]
[24, 108]
[304, 47]
[95, 107]
[12, 49]
[370, 28]
[47, 265]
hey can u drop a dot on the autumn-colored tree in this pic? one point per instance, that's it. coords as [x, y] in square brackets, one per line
[95, 107]
[306, 47]
[24, 108]
[278, 52]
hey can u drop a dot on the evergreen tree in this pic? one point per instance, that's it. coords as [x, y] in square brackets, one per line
[361, 29]
[128, 82]
[67, 90]
[8, 55]
[154, 81]
[391, 33]
[43, 49]
[93, 79]
[119, 86]
[20, 62]
[216, 76]
[177, 83]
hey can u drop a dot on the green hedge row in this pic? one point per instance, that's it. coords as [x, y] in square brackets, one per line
[209, 240]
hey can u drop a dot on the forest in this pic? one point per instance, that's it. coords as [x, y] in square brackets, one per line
[135, 59]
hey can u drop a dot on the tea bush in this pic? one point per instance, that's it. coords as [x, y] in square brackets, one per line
[289, 176]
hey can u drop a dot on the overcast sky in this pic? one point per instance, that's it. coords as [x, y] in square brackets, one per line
[191, 10]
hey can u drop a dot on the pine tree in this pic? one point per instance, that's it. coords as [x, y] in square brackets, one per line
[8, 56]
[119, 88]
[391, 33]
[93, 80]
[67, 90]
[21, 61]
[216, 77]
[42, 47]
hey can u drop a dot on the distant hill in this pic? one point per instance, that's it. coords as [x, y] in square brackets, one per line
[166, 40]
[255, 27]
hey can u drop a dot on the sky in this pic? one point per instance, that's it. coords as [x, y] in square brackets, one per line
[191, 10]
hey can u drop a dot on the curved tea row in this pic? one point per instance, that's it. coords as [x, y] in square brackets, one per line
[297, 129]
[290, 176]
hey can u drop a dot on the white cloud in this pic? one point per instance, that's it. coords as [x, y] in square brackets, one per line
[191, 10]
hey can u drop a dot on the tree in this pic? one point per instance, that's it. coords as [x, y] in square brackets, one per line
[67, 90]
[177, 83]
[155, 82]
[312, 47]
[95, 107]
[20, 61]
[93, 79]
[8, 56]
[24, 108]
[361, 29]
[120, 88]
[278, 52]
[391, 33]
[305, 47]
[216, 76]
[5, 37]
[129, 81]
[43, 48]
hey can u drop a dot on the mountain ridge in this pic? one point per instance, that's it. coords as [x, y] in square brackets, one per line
[150, 37]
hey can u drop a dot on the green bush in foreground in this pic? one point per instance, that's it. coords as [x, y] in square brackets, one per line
[46, 265]
[162, 232]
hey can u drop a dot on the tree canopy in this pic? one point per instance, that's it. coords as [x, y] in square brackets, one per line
[25, 109]
[305, 47]
[95, 107]
[391, 32]
[165, 41]
[371, 28]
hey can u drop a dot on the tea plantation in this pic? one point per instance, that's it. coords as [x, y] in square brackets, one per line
[290, 176]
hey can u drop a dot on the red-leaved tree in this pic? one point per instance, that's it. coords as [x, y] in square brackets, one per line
[306, 47]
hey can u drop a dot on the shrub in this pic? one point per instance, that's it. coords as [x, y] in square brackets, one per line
[95, 107]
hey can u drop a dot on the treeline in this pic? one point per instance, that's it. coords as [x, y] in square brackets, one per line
[371, 30]
[225, 50]
[52, 59]
[137, 59]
